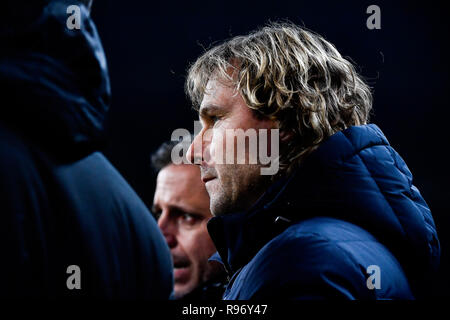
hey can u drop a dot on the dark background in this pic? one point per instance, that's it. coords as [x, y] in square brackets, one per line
[150, 45]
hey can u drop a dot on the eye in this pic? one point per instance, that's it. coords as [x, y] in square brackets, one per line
[210, 121]
[188, 219]
[156, 211]
[157, 214]
[214, 119]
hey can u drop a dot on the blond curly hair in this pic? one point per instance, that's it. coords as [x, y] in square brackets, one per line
[292, 75]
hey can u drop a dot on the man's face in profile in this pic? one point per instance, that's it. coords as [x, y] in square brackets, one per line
[182, 204]
[232, 187]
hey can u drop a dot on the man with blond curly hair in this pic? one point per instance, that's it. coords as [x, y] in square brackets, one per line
[341, 219]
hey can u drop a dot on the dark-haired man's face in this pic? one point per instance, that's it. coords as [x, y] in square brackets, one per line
[231, 187]
[182, 207]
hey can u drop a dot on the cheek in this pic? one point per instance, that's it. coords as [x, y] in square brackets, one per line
[217, 147]
[197, 243]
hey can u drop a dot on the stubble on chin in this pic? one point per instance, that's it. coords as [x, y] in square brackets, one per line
[237, 190]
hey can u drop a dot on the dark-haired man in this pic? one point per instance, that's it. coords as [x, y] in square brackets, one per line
[181, 205]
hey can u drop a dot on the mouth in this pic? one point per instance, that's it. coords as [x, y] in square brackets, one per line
[181, 271]
[180, 264]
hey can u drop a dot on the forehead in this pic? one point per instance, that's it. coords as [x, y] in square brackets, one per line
[181, 185]
[220, 92]
[223, 97]
[179, 178]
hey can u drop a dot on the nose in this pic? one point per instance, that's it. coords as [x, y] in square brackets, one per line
[195, 151]
[168, 230]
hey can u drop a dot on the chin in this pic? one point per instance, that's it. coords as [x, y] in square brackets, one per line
[221, 207]
[183, 290]
[216, 205]
[217, 202]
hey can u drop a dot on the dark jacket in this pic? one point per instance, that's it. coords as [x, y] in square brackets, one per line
[62, 202]
[350, 206]
[210, 291]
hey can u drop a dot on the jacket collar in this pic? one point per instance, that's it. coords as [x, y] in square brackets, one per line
[239, 236]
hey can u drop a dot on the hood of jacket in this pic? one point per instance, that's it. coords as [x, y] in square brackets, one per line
[356, 176]
[53, 80]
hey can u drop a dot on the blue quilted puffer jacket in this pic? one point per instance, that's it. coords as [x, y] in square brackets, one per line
[348, 224]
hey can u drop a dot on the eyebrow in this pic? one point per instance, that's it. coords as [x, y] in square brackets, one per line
[177, 209]
[208, 109]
